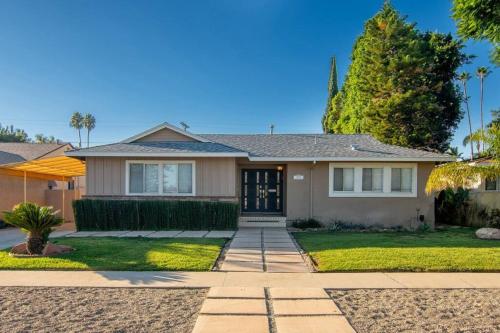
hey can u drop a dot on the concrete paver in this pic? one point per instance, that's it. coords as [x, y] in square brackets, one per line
[242, 266]
[137, 233]
[220, 234]
[231, 324]
[164, 234]
[109, 233]
[298, 293]
[280, 251]
[236, 292]
[192, 234]
[234, 306]
[286, 267]
[60, 233]
[305, 307]
[252, 250]
[316, 324]
[284, 258]
[83, 234]
[243, 257]
[273, 245]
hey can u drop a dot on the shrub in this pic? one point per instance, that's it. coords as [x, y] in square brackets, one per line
[308, 223]
[493, 218]
[154, 215]
[456, 208]
[36, 221]
[338, 226]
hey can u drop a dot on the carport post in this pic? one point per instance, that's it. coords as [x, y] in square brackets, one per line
[24, 186]
[63, 199]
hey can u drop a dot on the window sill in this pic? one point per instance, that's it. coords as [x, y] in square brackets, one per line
[373, 195]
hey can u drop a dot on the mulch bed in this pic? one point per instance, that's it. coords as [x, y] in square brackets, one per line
[420, 310]
[40, 309]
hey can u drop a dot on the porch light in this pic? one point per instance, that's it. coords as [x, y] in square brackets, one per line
[279, 168]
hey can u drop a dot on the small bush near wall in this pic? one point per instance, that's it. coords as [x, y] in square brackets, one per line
[154, 215]
[456, 208]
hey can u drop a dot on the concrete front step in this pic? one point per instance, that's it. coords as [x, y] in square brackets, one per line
[262, 221]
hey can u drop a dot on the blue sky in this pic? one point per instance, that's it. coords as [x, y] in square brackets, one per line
[221, 66]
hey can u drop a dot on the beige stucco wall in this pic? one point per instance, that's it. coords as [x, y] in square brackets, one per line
[386, 211]
[54, 198]
[490, 199]
[215, 177]
[12, 191]
[165, 135]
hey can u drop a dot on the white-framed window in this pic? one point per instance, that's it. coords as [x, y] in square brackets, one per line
[174, 178]
[372, 179]
[492, 184]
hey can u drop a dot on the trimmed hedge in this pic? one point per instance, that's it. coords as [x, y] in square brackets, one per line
[106, 215]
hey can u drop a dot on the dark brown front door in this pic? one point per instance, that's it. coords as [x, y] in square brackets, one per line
[261, 190]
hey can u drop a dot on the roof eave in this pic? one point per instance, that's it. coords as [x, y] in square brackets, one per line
[77, 153]
[348, 159]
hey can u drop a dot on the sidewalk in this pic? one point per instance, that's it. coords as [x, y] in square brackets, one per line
[248, 279]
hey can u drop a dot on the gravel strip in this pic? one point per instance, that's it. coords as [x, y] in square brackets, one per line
[420, 310]
[99, 309]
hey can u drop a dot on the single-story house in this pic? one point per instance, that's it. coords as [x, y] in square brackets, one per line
[275, 178]
[487, 191]
[43, 187]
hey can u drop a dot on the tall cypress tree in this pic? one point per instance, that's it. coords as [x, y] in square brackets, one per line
[333, 89]
[400, 85]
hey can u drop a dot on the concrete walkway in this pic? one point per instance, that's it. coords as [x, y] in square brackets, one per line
[249, 279]
[263, 250]
[259, 310]
[12, 236]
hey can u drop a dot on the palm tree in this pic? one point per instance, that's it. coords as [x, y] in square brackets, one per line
[453, 151]
[76, 122]
[481, 73]
[36, 221]
[89, 124]
[464, 77]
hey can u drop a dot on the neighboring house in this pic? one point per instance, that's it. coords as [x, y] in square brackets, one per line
[35, 187]
[274, 177]
[487, 192]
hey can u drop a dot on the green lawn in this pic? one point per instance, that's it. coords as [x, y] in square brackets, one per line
[451, 250]
[137, 254]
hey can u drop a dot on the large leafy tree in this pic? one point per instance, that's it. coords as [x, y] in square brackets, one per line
[400, 85]
[479, 20]
[11, 134]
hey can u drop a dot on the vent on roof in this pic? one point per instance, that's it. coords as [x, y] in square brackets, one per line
[354, 147]
[271, 129]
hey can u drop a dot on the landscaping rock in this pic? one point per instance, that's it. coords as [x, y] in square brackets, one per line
[19, 249]
[488, 233]
[53, 249]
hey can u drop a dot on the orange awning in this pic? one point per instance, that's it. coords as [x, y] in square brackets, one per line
[58, 167]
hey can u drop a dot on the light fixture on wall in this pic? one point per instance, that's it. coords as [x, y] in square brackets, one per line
[279, 168]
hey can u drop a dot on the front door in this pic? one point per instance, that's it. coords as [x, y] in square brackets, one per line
[261, 190]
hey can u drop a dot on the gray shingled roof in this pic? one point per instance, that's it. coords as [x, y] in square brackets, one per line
[279, 146]
[171, 147]
[317, 146]
[14, 152]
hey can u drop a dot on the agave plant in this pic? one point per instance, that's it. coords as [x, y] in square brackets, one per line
[36, 221]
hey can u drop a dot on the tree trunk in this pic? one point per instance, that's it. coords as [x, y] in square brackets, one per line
[79, 139]
[88, 137]
[470, 123]
[35, 243]
[482, 123]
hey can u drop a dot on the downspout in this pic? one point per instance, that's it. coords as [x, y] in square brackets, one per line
[311, 195]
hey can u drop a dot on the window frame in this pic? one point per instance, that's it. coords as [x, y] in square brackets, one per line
[160, 164]
[386, 180]
[491, 191]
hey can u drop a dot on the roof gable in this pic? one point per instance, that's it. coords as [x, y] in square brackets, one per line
[14, 152]
[165, 132]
